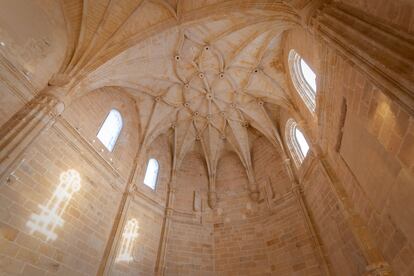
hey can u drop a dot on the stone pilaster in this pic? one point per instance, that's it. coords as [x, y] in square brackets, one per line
[376, 264]
[119, 220]
[162, 249]
[297, 192]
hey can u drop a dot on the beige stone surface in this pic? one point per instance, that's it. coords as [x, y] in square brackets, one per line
[205, 88]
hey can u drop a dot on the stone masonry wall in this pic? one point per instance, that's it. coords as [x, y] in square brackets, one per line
[87, 220]
[375, 162]
[88, 113]
[190, 249]
[265, 238]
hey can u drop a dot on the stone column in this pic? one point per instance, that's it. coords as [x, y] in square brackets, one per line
[119, 220]
[382, 53]
[166, 225]
[376, 264]
[297, 192]
[23, 129]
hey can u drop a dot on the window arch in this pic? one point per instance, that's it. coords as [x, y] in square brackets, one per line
[151, 175]
[296, 142]
[304, 79]
[111, 128]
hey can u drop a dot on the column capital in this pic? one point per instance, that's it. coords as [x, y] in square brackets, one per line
[309, 11]
[60, 93]
[169, 212]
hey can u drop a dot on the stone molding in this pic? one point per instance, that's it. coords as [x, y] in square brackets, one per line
[365, 42]
[23, 129]
[16, 80]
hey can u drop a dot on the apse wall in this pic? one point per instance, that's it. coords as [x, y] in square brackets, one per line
[265, 238]
[190, 241]
[367, 168]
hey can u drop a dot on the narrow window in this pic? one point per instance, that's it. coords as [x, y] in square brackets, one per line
[110, 129]
[304, 79]
[308, 74]
[300, 139]
[342, 119]
[296, 142]
[151, 174]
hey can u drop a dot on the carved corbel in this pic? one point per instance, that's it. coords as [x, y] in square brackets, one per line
[212, 195]
[254, 192]
[212, 199]
[255, 195]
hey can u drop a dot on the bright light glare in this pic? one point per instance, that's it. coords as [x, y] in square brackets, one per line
[308, 74]
[110, 130]
[127, 243]
[151, 174]
[51, 215]
[304, 147]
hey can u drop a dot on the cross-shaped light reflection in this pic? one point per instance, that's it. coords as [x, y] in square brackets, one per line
[51, 214]
[127, 243]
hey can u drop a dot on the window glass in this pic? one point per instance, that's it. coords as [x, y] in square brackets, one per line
[110, 129]
[151, 174]
[303, 145]
[304, 79]
[296, 142]
[308, 74]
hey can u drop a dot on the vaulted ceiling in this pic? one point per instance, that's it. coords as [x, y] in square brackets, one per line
[205, 72]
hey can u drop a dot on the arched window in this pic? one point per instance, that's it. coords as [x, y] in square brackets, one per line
[110, 129]
[304, 79]
[296, 142]
[151, 174]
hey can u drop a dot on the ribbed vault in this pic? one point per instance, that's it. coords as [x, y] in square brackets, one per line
[204, 72]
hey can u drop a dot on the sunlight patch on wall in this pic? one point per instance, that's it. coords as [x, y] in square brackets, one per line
[51, 214]
[127, 243]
